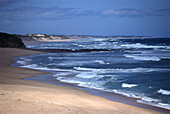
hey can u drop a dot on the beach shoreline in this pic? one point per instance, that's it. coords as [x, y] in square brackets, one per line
[19, 95]
[48, 78]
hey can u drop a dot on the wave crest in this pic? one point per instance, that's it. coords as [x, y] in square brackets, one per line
[164, 92]
[128, 85]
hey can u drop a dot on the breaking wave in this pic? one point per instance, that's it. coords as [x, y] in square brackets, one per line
[164, 92]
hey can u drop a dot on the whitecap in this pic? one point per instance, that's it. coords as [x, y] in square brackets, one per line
[128, 85]
[164, 92]
[139, 45]
[127, 94]
[100, 40]
[148, 99]
[87, 75]
[143, 58]
[52, 58]
[100, 61]
[144, 99]
[132, 70]
[82, 68]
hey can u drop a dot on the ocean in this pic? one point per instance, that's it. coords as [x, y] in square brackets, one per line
[136, 68]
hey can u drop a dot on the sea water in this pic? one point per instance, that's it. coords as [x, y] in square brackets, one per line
[137, 68]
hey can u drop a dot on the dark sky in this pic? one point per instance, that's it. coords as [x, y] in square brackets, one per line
[88, 17]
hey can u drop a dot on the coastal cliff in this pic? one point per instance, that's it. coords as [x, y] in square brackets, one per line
[11, 41]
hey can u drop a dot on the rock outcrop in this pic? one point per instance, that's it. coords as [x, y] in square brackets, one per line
[11, 41]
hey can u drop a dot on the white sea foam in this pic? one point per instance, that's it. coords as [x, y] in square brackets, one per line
[121, 70]
[139, 45]
[100, 61]
[132, 51]
[128, 85]
[21, 62]
[81, 45]
[25, 59]
[81, 68]
[73, 63]
[148, 99]
[52, 58]
[161, 105]
[83, 84]
[135, 95]
[34, 66]
[52, 64]
[127, 94]
[93, 85]
[60, 78]
[100, 40]
[164, 92]
[143, 58]
[62, 74]
[87, 75]
[144, 99]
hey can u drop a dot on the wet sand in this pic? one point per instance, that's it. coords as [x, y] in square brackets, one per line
[19, 96]
[48, 78]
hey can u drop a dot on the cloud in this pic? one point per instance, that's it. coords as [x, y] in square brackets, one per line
[7, 22]
[30, 13]
[55, 13]
[7, 2]
[135, 12]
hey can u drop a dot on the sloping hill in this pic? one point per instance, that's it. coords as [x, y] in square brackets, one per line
[11, 41]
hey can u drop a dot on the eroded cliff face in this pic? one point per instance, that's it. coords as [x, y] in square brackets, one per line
[11, 41]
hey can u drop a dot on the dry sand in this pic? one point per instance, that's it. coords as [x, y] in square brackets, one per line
[19, 96]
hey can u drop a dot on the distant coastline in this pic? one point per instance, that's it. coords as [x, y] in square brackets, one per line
[23, 96]
[51, 38]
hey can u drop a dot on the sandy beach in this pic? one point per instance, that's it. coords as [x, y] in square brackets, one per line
[19, 96]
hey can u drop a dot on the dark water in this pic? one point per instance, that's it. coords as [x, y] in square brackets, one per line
[138, 68]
